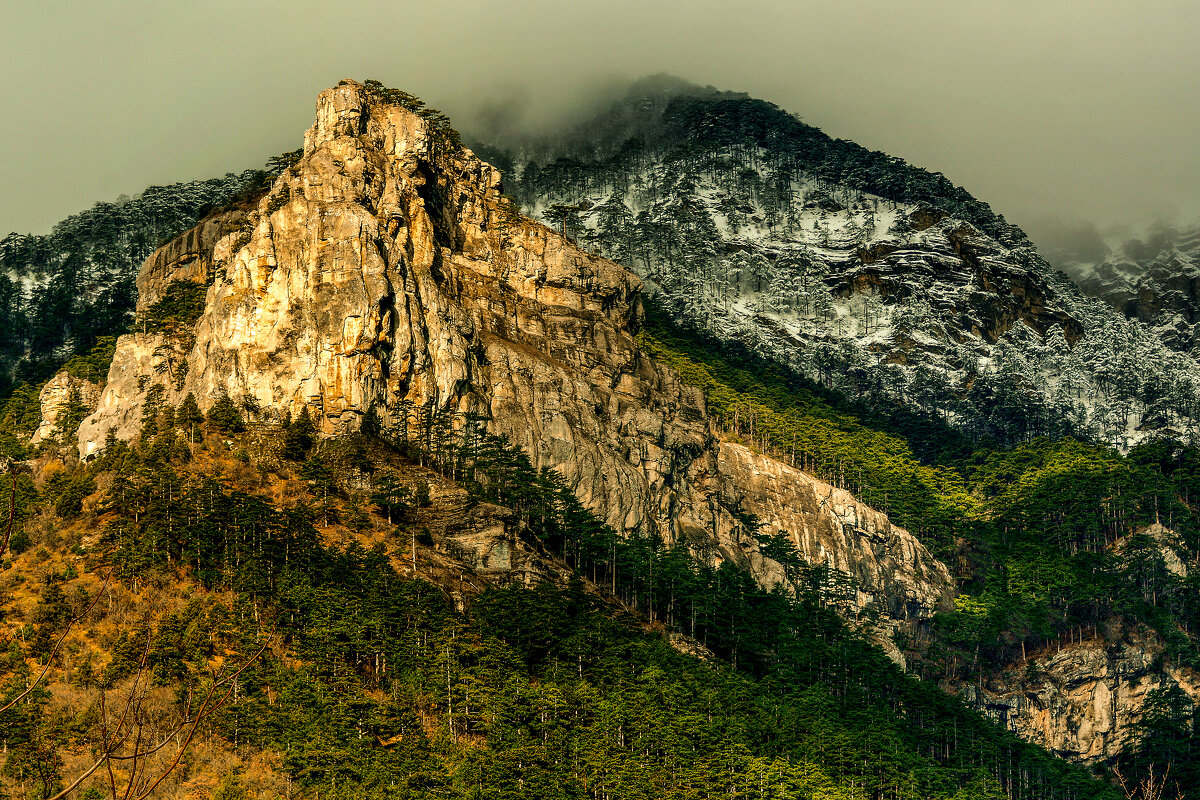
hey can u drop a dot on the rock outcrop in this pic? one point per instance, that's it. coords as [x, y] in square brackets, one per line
[1083, 700]
[386, 269]
[889, 567]
[186, 257]
[56, 396]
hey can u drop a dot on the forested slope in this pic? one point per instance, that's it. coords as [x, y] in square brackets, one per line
[373, 684]
[1054, 542]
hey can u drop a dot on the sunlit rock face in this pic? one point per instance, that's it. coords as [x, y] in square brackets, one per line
[1084, 697]
[1083, 700]
[384, 269]
[55, 397]
[186, 257]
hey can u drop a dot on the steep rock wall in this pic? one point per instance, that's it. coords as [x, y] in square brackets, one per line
[55, 396]
[889, 567]
[186, 257]
[385, 269]
[1082, 700]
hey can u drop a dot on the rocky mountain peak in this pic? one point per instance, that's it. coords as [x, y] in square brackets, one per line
[385, 272]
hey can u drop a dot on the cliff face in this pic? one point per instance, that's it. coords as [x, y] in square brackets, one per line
[385, 269]
[54, 398]
[889, 568]
[186, 257]
[1082, 700]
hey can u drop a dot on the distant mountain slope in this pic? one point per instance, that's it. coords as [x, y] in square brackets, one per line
[1155, 281]
[664, 115]
[873, 276]
[60, 291]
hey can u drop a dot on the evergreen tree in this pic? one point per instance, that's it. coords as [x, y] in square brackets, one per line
[299, 437]
[224, 415]
[190, 419]
[391, 496]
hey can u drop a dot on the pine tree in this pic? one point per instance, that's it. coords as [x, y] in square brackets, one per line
[189, 418]
[316, 471]
[224, 415]
[391, 496]
[300, 437]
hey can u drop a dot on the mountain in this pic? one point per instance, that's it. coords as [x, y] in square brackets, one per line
[383, 284]
[61, 292]
[884, 283]
[865, 273]
[444, 503]
[406, 289]
[1155, 281]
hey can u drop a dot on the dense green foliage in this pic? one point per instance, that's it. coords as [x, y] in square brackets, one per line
[778, 411]
[225, 416]
[387, 691]
[93, 366]
[1042, 536]
[538, 694]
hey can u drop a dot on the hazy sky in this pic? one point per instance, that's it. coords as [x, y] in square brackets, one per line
[1076, 110]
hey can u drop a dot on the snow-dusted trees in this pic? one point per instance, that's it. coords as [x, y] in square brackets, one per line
[60, 291]
[852, 266]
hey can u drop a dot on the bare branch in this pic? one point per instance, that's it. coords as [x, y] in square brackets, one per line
[82, 777]
[204, 713]
[57, 645]
[152, 750]
[1148, 789]
[113, 738]
[112, 779]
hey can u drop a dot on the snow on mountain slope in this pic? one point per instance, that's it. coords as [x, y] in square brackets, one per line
[874, 277]
[1156, 282]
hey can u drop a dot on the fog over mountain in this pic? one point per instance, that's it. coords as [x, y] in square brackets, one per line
[1058, 114]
